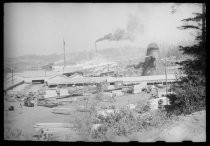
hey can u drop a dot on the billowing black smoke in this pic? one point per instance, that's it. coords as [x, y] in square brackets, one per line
[118, 35]
[149, 66]
[134, 27]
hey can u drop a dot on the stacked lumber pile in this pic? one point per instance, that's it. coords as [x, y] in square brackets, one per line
[75, 91]
[131, 106]
[90, 89]
[110, 87]
[11, 98]
[154, 92]
[40, 126]
[50, 102]
[63, 93]
[107, 94]
[108, 97]
[29, 99]
[46, 131]
[153, 104]
[68, 100]
[128, 89]
[65, 111]
[29, 102]
[137, 89]
[50, 94]
[164, 101]
[105, 113]
[118, 92]
[158, 103]
[83, 108]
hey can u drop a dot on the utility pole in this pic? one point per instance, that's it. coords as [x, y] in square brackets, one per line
[96, 50]
[64, 59]
[166, 77]
[12, 78]
[165, 74]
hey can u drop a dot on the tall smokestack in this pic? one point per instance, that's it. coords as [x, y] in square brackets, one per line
[64, 55]
[96, 50]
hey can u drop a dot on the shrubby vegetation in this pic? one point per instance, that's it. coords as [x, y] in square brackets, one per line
[12, 134]
[123, 122]
[171, 51]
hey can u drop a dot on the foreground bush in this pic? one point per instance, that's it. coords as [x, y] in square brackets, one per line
[12, 134]
[190, 97]
[123, 122]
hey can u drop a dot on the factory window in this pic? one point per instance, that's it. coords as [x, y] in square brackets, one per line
[79, 84]
[155, 83]
[112, 83]
[52, 86]
[38, 81]
[62, 86]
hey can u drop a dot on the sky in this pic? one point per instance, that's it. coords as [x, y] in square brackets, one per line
[39, 28]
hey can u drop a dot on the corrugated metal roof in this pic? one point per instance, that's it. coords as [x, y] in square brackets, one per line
[72, 69]
[76, 75]
[78, 80]
[58, 76]
[112, 79]
[38, 73]
[8, 82]
[142, 78]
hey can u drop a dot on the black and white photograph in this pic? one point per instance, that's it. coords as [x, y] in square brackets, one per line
[96, 72]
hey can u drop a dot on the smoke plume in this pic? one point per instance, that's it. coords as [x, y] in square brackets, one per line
[133, 28]
[118, 35]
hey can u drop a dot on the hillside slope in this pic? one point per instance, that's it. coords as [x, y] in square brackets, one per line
[186, 128]
[190, 128]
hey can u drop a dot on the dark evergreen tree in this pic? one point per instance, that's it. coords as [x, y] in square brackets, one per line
[191, 91]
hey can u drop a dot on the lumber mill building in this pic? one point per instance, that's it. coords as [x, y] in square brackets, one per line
[62, 81]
